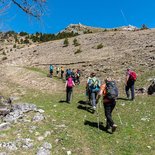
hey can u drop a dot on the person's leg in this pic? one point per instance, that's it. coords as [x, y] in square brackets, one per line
[132, 92]
[69, 94]
[107, 108]
[93, 100]
[127, 91]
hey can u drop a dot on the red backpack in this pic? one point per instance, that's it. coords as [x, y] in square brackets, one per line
[70, 82]
[133, 75]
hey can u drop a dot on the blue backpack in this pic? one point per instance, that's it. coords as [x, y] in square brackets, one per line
[94, 85]
[51, 68]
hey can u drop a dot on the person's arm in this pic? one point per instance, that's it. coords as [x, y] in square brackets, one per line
[100, 92]
[127, 78]
[66, 85]
[73, 83]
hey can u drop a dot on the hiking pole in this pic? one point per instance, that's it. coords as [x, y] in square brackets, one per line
[119, 116]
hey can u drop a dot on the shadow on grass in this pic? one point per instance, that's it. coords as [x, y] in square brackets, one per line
[63, 101]
[95, 124]
[89, 109]
[124, 99]
[84, 102]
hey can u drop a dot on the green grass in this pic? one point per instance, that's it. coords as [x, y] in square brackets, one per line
[79, 132]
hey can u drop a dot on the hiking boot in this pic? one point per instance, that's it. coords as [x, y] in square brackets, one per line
[94, 107]
[114, 128]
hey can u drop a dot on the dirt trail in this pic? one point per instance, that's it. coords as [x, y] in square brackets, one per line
[14, 77]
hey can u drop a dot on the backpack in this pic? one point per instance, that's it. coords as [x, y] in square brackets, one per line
[51, 68]
[111, 90]
[69, 72]
[133, 75]
[70, 82]
[94, 84]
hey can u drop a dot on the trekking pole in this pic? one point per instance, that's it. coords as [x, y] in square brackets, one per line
[119, 116]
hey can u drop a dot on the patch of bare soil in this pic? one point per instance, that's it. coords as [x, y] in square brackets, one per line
[14, 79]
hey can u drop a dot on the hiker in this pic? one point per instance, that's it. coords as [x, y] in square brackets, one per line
[62, 72]
[77, 76]
[73, 75]
[69, 88]
[129, 83]
[57, 70]
[68, 73]
[109, 92]
[51, 70]
[93, 87]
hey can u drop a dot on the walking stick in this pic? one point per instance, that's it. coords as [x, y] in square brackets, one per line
[119, 116]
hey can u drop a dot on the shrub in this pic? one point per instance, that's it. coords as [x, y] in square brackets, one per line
[66, 42]
[23, 33]
[14, 46]
[75, 42]
[4, 53]
[87, 31]
[99, 46]
[26, 41]
[78, 51]
[4, 58]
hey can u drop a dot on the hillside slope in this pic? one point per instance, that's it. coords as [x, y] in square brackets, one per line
[73, 128]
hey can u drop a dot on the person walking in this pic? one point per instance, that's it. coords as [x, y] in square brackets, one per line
[62, 72]
[93, 86]
[129, 83]
[57, 70]
[109, 92]
[51, 70]
[69, 88]
[77, 76]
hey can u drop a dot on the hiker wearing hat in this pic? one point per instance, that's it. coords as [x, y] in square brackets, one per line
[129, 83]
[93, 87]
[109, 92]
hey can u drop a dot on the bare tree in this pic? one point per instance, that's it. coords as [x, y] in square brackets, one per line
[34, 8]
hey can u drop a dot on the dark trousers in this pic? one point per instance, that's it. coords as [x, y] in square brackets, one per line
[51, 73]
[108, 108]
[62, 72]
[132, 89]
[69, 91]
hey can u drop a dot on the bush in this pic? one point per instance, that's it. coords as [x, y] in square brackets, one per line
[23, 33]
[26, 41]
[75, 42]
[4, 53]
[99, 46]
[87, 31]
[66, 42]
[14, 46]
[4, 58]
[78, 51]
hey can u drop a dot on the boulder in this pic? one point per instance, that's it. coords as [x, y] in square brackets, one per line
[151, 88]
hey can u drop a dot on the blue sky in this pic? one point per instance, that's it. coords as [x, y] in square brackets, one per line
[98, 13]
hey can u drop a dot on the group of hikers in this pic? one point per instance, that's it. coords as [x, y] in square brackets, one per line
[75, 74]
[95, 90]
[109, 91]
